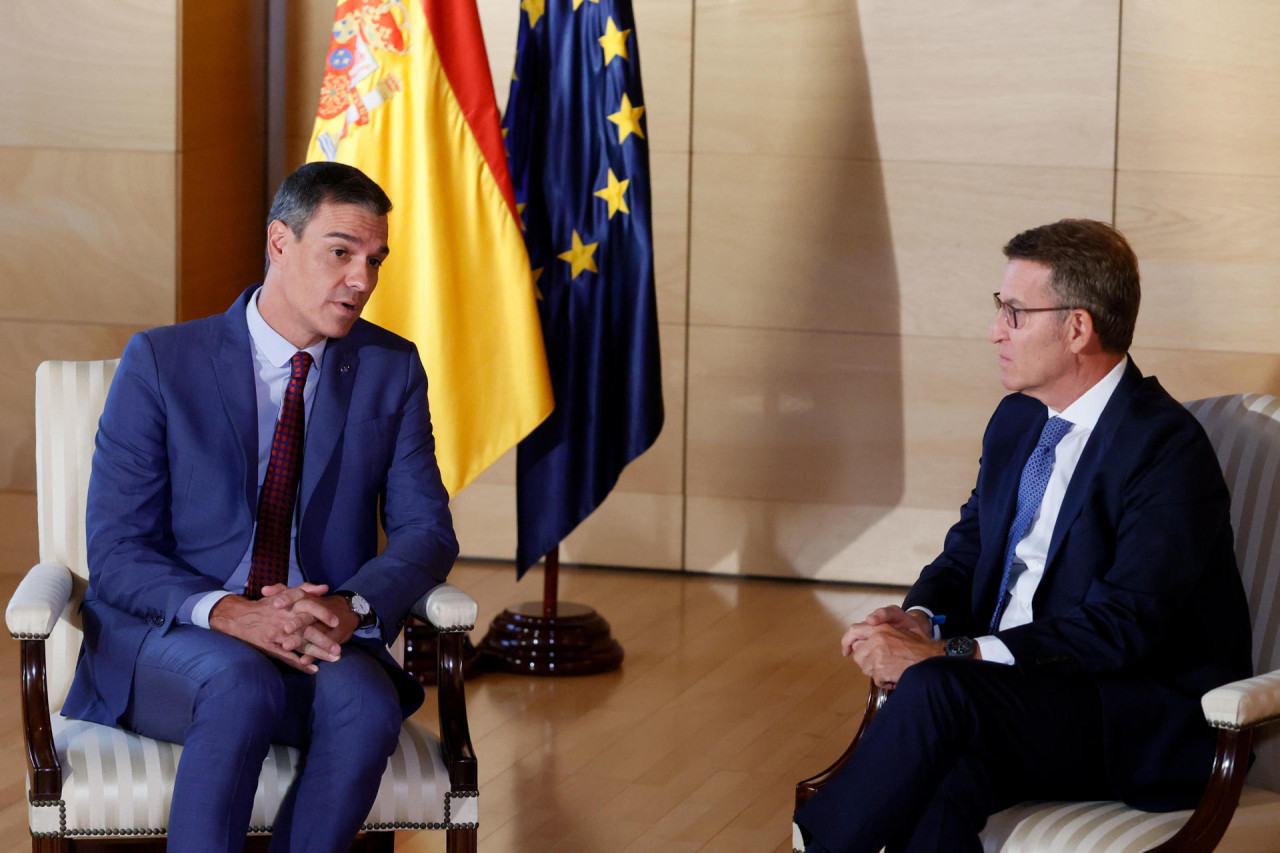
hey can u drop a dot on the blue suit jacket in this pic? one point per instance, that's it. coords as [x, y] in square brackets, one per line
[1140, 590]
[173, 493]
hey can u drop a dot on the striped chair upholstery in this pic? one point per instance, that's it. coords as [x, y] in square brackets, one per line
[116, 783]
[1245, 432]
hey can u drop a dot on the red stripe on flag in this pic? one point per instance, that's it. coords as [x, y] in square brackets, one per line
[455, 29]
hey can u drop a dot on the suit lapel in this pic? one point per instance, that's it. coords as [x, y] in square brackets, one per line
[233, 370]
[1091, 459]
[1006, 502]
[328, 413]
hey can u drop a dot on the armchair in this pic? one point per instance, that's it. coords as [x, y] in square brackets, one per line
[1232, 815]
[89, 784]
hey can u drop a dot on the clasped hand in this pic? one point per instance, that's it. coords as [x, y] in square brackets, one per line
[888, 641]
[297, 625]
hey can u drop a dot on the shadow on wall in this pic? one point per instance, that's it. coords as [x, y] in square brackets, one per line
[808, 453]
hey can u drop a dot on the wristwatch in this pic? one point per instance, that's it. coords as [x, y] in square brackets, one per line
[359, 606]
[960, 647]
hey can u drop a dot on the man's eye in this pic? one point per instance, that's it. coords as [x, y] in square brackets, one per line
[339, 253]
[375, 262]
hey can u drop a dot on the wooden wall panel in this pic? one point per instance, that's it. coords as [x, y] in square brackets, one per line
[1210, 258]
[957, 81]
[1199, 87]
[867, 246]
[91, 235]
[89, 74]
[222, 145]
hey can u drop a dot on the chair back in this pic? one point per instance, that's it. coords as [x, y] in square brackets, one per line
[1245, 432]
[69, 399]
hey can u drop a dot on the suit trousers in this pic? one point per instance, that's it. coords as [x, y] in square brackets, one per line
[957, 741]
[226, 702]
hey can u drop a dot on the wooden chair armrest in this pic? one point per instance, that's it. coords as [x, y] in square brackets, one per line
[42, 758]
[455, 735]
[447, 607]
[807, 788]
[1245, 703]
[1209, 821]
[41, 596]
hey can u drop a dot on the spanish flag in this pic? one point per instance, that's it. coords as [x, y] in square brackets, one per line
[407, 98]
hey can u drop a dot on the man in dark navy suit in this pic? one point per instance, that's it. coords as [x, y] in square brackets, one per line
[237, 594]
[1086, 598]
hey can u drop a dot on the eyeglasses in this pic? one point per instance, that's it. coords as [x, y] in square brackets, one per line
[1011, 314]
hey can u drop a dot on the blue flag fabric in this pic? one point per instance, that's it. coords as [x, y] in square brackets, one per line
[577, 142]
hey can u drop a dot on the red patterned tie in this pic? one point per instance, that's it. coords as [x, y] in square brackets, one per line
[279, 495]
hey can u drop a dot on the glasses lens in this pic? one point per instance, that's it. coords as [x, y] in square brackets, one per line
[1010, 316]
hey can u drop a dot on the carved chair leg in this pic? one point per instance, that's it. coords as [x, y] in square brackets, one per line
[460, 840]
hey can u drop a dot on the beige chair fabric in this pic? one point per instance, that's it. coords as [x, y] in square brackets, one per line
[119, 783]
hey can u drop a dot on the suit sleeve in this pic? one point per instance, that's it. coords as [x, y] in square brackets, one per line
[133, 565]
[421, 546]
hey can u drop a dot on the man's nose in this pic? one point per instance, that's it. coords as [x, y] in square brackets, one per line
[363, 277]
[998, 332]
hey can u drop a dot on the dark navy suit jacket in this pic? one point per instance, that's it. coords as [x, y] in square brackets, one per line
[1140, 590]
[173, 493]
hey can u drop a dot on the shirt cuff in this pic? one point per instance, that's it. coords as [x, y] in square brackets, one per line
[933, 620]
[203, 606]
[994, 650]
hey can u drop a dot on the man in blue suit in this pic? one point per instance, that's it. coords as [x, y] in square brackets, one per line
[236, 594]
[1086, 598]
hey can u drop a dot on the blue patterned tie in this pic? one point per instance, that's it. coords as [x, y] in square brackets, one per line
[1035, 477]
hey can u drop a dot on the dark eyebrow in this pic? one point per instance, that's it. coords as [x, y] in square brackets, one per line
[350, 238]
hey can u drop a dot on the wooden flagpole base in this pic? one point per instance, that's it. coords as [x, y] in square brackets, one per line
[550, 637]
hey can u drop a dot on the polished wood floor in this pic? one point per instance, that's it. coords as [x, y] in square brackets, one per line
[731, 691]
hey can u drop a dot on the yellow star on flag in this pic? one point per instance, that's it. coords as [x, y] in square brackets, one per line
[615, 194]
[577, 4]
[579, 257]
[520, 206]
[537, 274]
[627, 118]
[535, 8]
[614, 42]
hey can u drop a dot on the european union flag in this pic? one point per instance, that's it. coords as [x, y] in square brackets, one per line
[579, 155]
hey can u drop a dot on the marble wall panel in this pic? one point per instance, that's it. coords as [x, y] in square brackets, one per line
[1209, 256]
[23, 345]
[91, 235]
[865, 246]
[1199, 86]
[90, 74]
[957, 81]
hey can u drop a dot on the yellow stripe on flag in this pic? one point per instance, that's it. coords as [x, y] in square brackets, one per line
[457, 282]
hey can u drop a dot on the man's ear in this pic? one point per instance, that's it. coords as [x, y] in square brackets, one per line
[1080, 332]
[278, 238]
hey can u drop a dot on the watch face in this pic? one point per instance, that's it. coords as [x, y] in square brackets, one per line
[960, 647]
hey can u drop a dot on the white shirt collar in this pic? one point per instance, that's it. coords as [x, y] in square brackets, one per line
[270, 344]
[1087, 408]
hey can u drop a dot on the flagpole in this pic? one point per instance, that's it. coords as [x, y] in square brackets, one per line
[550, 637]
[551, 583]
